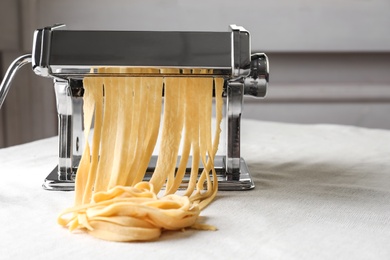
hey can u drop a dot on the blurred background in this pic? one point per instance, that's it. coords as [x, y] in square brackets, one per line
[329, 59]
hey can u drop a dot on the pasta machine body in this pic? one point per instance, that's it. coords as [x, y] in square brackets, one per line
[68, 56]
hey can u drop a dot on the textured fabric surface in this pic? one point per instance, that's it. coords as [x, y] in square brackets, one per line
[322, 192]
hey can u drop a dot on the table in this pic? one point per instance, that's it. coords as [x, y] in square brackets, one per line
[322, 192]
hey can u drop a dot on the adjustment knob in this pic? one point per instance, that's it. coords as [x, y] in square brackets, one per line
[256, 83]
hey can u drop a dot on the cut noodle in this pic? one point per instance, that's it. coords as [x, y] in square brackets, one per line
[112, 201]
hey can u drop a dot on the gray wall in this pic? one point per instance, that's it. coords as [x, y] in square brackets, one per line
[330, 59]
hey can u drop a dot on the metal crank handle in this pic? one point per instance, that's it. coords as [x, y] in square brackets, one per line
[9, 75]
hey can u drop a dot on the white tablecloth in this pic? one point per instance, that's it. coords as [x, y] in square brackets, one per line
[322, 192]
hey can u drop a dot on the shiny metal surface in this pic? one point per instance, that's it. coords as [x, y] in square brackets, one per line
[63, 52]
[9, 75]
[244, 181]
[240, 58]
[41, 50]
[70, 131]
[234, 101]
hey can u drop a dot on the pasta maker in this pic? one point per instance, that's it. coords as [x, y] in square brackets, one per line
[67, 56]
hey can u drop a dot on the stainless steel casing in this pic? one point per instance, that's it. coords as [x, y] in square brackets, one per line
[68, 56]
